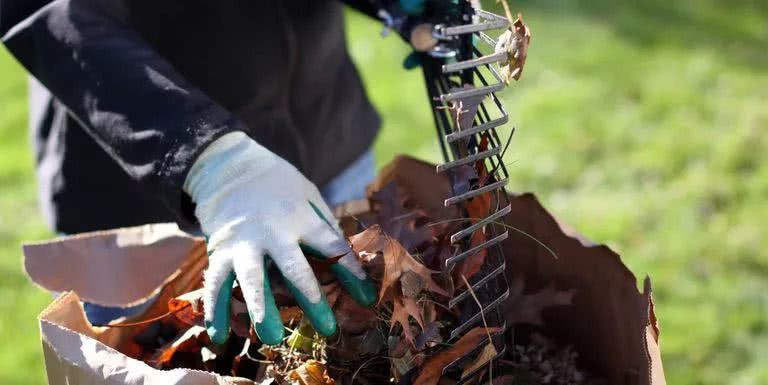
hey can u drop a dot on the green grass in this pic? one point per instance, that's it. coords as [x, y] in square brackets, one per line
[20, 301]
[644, 125]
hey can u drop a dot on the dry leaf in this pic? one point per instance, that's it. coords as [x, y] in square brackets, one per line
[311, 373]
[412, 284]
[193, 339]
[412, 308]
[291, 314]
[351, 317]
[403, 365]
[400, 220]
[402, 280]
[332, 291]
[188, 308]
[527, 308]
[433, 368]
[462, 178]
[240, 320]
[396, 259]
[514, 42]
[473, 263]
[464, 110]
[400, 316]
[488, 353]
[430, 336]
[477, 208]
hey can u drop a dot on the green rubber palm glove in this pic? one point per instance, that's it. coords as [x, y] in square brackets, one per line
[254, 207]
[412, 8]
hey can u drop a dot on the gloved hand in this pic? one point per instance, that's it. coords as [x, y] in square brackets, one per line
[412, 8]
[254, 205]
[417, 31]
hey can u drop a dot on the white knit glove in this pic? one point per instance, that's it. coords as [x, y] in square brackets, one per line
[252, 204]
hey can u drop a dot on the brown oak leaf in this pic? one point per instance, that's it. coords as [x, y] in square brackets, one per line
[400, 220]
[433, 368]
[396, 259]
[188, 307]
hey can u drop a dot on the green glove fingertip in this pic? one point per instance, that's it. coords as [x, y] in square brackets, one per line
[413, 7]
[218, 329]
[412, 61]
[362, 290]
[319, 314]
[270, 330]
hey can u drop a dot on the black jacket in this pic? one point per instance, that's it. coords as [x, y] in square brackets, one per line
[140, 87]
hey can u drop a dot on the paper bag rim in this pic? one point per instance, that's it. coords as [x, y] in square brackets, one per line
[94, 264]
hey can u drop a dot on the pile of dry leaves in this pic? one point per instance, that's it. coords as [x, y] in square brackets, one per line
[402, 238]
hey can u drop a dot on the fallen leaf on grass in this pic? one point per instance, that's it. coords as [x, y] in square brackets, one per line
[433, 368]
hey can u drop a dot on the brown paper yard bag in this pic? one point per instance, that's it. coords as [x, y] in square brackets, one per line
[611, 324]
[118, 268]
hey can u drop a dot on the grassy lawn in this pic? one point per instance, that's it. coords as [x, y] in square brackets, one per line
[645, 126]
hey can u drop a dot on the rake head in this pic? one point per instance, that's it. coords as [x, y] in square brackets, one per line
[461, 82]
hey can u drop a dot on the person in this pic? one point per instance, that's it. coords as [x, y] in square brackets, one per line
[224, 116]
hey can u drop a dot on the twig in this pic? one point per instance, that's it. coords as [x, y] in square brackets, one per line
[482, 315]
[479, 305]
[505, 4]
[352, 381]
[510, 227]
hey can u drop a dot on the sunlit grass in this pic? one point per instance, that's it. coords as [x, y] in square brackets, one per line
[644, 126]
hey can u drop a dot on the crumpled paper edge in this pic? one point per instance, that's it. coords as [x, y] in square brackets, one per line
[102, 266]
[73, 357]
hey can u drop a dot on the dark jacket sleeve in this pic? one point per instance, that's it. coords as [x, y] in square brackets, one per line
[149, 119]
